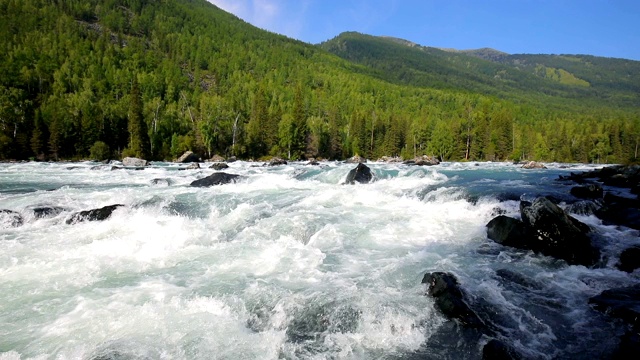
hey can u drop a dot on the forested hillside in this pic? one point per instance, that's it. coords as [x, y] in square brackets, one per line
[153, 78]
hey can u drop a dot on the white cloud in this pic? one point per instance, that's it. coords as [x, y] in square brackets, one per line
[278, 16]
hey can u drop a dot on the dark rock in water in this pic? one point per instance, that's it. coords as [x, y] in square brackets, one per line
[629, 344]
[116, 168]
[508, 232]
[219, 166]
[449, 299]
[619, 210]
[162, 181]
[100, 214]
[622, 303]
[75, 168]
[591, 191]
[618, 175]
[584, 207]
[313, 163]
[498, 350]
[629, 259]
[47, 211]
[276, 161]
[360, 173]
[231, 159]
[556, 234]
[218, 178]
[188, 157]
[10, 218]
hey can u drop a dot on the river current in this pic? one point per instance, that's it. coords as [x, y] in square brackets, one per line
[287, 263]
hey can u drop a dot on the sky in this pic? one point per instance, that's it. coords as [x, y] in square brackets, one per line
[609, 28]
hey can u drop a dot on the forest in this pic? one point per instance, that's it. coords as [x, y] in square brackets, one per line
[104, 79]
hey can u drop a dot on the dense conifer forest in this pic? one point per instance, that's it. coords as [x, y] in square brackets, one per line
[103, 79]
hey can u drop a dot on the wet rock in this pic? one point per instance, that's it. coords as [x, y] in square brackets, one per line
[629, 259]
[276, 161]
[312, 162]
[498, 350]
[629, 344]
[188, 157]
[47, 211]
[357, 159]
[626, 176]
[218, 178]
[360, 173]
[533, 165]
[100, 214]
[116, 168]
[314, 322]
[219, 166]
[619, 210]
[556, 234]
[133, 162]
[426, 161]
[508, 231]
[584, 207]
[231, 159]
[591, 191]
[449, 299]
[622, 303]
[10, 218]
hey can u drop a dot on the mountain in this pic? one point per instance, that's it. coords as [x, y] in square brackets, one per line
[561, 80]
[104, 79]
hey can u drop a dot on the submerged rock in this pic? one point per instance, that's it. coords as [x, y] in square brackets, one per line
[449, 299]
[622, 303]
[218, 178]
[10, 218]
[133, 162]
[100, 214]
[162, 181]
[192, 166]
[360, 173]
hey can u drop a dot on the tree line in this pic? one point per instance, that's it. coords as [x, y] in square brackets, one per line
[113, 78]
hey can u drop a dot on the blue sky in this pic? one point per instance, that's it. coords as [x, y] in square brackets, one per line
[608, 28]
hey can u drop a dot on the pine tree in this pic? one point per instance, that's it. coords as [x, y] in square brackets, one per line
[139, 145]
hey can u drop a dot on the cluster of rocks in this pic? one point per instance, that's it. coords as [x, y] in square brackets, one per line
[10, 218]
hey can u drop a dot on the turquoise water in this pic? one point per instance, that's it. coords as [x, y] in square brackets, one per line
[286, 264]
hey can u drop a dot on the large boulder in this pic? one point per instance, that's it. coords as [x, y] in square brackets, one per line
[449, 299]
[218, 178]
[99, 214]
[390, 159]
[360, 173]
[10, 218]
[556, 234]
[188, 157]
[508, 231]
[622, 303]
[134, 162]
